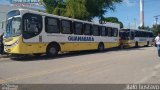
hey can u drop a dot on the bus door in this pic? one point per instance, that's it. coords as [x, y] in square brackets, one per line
[32, 27]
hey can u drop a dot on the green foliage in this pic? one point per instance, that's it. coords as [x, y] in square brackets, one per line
[121, 24]
[111, 19]
[60, 9]
[145, 28]
[155, 29]
[76, 9]
[54, 6]
[79, 9]
[97, 8]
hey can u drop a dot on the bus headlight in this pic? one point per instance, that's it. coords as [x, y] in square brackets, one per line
[12, 45]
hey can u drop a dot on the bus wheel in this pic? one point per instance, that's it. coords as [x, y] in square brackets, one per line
[101, 47]
[52, 50]
[147, 44]
[121, 46]
[136, 44]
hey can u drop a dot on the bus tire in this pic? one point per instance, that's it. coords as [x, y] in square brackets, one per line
[101, 47]
[147, 44]
[121, 46]
[136, 45]
[52, 50]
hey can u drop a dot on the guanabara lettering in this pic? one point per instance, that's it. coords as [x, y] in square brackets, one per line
[80, 38]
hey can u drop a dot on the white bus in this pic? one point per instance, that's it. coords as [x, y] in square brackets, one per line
[135, 38]
[33, 32]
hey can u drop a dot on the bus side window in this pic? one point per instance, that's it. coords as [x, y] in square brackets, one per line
[32, 25]
[145, 34]
[87, 29]
[115, 32]
[148, 34]
[132, 35]
[109, 31]
[95, 30]
[103, 31]
[106, 31]
[52, 25]
[66, 27]
[142, 34]
[151, 35]
[78, 28]
[137, 34]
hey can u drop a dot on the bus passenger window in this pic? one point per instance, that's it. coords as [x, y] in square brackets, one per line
[147, 34]
[109, 31]
[66, 27]
[95, 30]
[132, 35]
[32, 25]
[52, 25]
[151, 35]
[137, 34]
[103, 31]
[78, 27]
[141, 34]
[115, 32]
[87, 30]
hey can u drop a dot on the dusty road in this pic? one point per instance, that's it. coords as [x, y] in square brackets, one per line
[136, 65]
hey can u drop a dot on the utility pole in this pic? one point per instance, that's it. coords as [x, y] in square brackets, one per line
[141, 13]
[156, 17]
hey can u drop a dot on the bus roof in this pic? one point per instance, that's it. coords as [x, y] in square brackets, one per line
[116, 25]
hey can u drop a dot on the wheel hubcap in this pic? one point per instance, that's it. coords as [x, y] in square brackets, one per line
[53, 51]
[101, 47]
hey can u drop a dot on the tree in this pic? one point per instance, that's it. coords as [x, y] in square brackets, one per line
[111, 19]
[79, 9]
[97, 8]
[121, 24]
[56, 7]
[145, 28]
[155, 29]
[50, 5]
[76, 9]
[60, 9]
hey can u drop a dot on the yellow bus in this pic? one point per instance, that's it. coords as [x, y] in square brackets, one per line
[33, 32]
[135, 38]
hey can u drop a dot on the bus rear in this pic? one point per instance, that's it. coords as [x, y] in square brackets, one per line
[126, 38]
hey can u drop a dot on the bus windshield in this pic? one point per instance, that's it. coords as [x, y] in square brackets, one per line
[13, 27]
[13, 13]
[124, 35]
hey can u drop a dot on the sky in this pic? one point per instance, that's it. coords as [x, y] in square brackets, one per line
[128, 12]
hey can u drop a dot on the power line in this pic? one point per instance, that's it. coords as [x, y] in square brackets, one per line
[156, 17]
